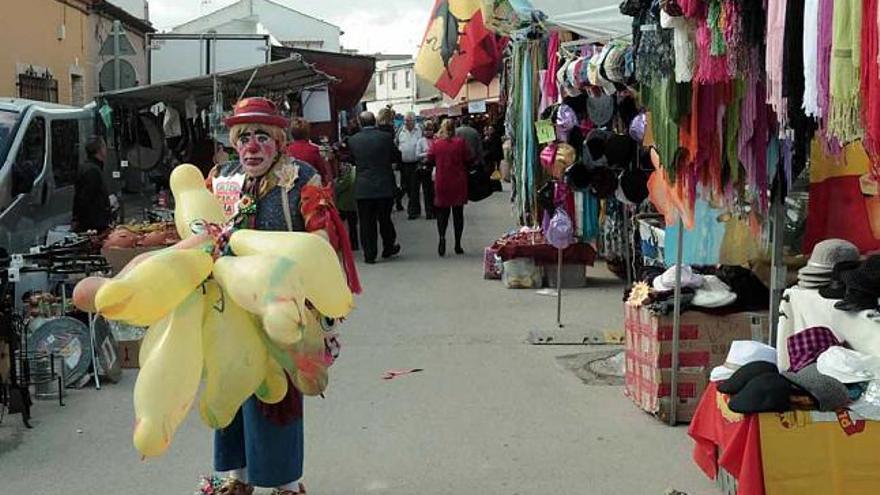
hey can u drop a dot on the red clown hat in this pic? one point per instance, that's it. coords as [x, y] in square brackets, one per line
[256, 111]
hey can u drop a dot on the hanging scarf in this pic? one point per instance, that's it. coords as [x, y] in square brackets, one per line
[811, 58]
[870, 79]
[550, 85]
[710, 68]
[843, 113]
[774, 58]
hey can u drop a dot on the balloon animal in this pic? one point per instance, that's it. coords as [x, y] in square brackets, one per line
[240, 325]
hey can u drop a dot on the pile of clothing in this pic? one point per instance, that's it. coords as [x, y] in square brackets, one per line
[723, 289]
[836, 270]
[824, 375]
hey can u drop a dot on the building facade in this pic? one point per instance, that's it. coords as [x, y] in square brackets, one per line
[286, 26]
[396, 85]
[51, 48]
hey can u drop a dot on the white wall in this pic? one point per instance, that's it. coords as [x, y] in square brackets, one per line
[287, 25]
[402, 98]
[247, 17]
[137, 8]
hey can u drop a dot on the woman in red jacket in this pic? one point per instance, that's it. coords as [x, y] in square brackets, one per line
[451, 157]
[302, 149]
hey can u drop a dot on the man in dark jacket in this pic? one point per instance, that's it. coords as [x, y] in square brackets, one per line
[91, 200]
[374, 152]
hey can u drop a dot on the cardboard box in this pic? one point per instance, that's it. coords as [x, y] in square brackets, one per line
[117, 258]
[704, 341]
[128, 351]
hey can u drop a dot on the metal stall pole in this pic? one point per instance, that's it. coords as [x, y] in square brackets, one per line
[92, 343]
[777, 266]
[559, 290]
[627, 244]
[676, 329]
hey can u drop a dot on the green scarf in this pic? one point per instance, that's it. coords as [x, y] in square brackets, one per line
[844, 121]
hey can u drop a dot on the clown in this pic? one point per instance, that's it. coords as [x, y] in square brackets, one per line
[265, 190]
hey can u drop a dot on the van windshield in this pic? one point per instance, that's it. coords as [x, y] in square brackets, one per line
[8, 122]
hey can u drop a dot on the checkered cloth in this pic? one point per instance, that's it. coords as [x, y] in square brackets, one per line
[805, 347]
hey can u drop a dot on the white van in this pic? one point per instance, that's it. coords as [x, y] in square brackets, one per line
[41, 148]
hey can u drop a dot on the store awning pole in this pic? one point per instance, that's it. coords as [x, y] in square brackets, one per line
[777, 265]
[676, 328]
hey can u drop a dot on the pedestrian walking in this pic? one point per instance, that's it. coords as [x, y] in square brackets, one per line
[301, 148]
[451, 156]
[407, 141]
[346, 202]
[385, 122]
[374, 153]
[474, 140]
[426, 168]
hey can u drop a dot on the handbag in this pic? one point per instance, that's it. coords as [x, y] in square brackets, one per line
[479, 185]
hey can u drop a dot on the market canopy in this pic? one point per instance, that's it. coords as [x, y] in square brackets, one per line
[353, 72]
[596, 19]
[284, 76]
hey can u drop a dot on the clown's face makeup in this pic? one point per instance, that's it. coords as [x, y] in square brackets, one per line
[257, 151]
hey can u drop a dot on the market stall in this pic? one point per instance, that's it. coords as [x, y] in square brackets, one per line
[741, 100]
[753, 144]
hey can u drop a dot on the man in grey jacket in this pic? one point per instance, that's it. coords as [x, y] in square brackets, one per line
[374, 152]
[473, 139]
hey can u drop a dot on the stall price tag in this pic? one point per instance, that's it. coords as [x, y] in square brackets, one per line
[117, 174]
[546, 131]
[123, 164]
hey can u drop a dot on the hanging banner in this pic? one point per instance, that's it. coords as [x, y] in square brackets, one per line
[457, 44]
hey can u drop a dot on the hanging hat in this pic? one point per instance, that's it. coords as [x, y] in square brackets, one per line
[837, 289]
[615, 64]
[256, 111]
[603, 182]
[741, 353]
[600, 109]
[807, 345]
[634, 186]
[638, 126]
[620, 149]
[565, 157]
[739, 378]
[829, 392]
[548, 156]
[594, 148]
[848, 366]
[566, 120]
[768, 392]
[578, 176]
[825, 255]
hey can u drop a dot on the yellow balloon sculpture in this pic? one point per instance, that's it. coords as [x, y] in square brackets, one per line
[246, 331]
[169, 378]
[325, 284]
[235, 358]
[193, 200]
[269, 286]
[149, 291]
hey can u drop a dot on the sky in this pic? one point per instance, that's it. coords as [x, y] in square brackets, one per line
[370, 26]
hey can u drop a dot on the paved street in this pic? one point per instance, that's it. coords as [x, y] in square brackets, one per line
[489, 414]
